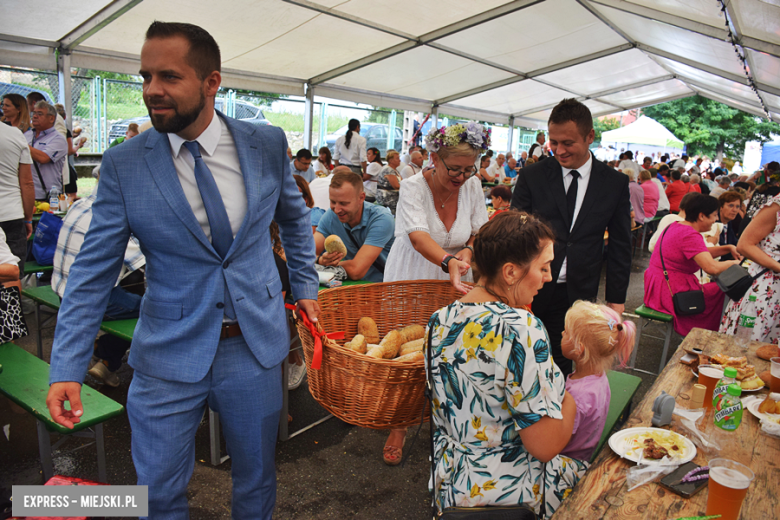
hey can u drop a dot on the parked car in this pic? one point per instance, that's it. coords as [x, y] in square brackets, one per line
[375, 134]
[244, 111]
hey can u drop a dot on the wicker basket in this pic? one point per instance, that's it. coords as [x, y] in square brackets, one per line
[368, 392]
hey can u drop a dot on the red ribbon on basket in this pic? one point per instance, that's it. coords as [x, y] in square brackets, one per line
[316, 361]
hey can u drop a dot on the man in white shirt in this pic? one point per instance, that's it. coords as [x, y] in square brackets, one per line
[319, 188]
[17, 191]
[537, 150]
[407, 157]
[496, 169]
[301, 165]
[696, 168]
[629, 163]
[679, 163]
[723, 185]
[414, 167]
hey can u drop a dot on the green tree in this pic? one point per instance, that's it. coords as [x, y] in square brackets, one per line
[604, 125]
[711, 128]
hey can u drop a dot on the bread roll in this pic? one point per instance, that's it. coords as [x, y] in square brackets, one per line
[767, 352]
[414, 356]
[411, 346]
[376, 352]
[765, 376]
[367, 327]
[358, 344]
[391, 343]
[412, 332]
[333, 244]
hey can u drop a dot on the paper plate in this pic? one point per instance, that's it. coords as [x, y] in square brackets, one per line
[629, 444]
[752, 403]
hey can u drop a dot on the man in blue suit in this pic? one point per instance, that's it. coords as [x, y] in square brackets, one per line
[199, 192]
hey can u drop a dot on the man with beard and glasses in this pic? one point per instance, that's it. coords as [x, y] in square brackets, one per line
[199, 192]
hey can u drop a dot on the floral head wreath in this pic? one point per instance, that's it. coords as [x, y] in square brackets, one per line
[472, 133]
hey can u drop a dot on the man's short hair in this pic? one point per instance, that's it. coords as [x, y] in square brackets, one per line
[132, 127]
[35, 97]
[303, 153]
[350, 177]
[572, 110]
[723, 180]
[60, 110]
[49, 108]
[647, 159]
[538, 134]
[663, 168]
[203, 55]
[684, 158]
[489, 153]
[629, 154]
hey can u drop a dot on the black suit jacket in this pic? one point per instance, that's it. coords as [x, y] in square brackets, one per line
[540, 191]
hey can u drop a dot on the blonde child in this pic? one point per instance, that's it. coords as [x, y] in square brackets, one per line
[594, 336]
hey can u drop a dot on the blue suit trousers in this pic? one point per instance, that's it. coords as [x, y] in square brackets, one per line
[164, 416]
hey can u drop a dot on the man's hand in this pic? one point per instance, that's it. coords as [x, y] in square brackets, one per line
[310, 308]
[617, 307]
[55, 401]
[28, 227]
[331, 259]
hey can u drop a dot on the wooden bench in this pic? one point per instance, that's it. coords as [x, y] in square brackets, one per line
[646, 316]
[25, 381]
[32, 267]
[622, 388]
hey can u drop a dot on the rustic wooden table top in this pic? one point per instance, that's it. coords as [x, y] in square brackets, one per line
[603, 493]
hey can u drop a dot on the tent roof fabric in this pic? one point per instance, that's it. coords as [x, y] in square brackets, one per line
[490, 60]
[643, 131]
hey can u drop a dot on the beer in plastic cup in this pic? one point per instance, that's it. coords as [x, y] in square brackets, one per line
[709, 376]
[774, 378]
[728, 484]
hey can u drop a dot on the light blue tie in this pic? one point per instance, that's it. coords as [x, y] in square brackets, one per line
[221, 232]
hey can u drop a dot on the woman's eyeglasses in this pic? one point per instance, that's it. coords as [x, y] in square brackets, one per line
[453, 172]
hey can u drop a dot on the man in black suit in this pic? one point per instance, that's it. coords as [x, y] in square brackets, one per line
[580, 197]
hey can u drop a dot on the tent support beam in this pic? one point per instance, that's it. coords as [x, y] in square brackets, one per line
[639, 84]
[364, 62]
[722, 99]
[308, 117]
[97, 22]
[28, 41]
[538, 72]
[63, 76]
[475, 59]
[509, 141]
[695, 85]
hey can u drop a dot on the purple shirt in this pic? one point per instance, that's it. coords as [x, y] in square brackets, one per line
[55, 146]
[591, 395]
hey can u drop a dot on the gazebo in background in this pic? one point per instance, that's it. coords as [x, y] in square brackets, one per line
[644, 134]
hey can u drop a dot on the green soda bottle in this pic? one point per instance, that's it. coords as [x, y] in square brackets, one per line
[728, 411]
[721, 389]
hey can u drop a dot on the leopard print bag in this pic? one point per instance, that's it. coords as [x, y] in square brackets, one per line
[12, 324]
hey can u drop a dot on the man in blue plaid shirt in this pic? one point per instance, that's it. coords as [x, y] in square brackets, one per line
[122, 305]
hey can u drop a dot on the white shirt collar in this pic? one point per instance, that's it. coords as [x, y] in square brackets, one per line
[208, 139]
[584, 170]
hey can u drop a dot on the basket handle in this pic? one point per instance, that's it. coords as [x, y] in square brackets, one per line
[317, 333]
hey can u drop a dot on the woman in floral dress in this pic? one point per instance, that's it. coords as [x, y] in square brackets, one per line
[760, 242]
[501, 413]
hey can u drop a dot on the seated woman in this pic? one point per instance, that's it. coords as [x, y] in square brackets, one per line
[651, 196]
[501, 413]
[501, 196]
[388, 182]
[729, 214]
[9, 264]
[684, 253]
[483, 174]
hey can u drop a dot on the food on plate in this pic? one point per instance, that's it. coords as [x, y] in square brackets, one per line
[367, 327]
[767, 352]
[358, 344]
[411, 346]
[765, 376]
[412, 332]
[655, 451]
[771, 404]
[333, 244]
[728, 361]
[752, 383]
[413, 356]
[745, 372]
[656, 444]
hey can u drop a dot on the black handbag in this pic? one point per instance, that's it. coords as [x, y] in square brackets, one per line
[12, 324]
[518, 512]
[686, 303]
[736, 281]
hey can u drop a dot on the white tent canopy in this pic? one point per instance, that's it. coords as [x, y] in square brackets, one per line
[645, 131]
[498, 61]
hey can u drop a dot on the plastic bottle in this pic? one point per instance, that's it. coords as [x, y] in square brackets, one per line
[54, 198]
[721, 388]
[747, 321]
[728, 412]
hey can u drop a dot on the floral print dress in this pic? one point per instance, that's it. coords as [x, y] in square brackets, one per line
[766, 289]
[493, 376]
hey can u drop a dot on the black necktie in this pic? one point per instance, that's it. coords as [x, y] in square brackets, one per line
[571, 195]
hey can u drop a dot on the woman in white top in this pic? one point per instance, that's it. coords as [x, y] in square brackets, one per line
[438, 214]
[350, 149]
[375, 165]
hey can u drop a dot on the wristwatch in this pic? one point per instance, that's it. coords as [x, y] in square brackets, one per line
[445, 262]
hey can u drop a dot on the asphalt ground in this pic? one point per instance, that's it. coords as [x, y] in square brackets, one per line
[331, 471]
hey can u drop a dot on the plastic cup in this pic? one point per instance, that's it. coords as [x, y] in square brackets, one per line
[728, 484]
[709, 375]
[774, 378]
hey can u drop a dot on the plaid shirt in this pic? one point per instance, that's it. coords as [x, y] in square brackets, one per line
[74, 227]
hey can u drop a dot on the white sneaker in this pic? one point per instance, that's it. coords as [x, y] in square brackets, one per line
[101, 372]
[296, 376]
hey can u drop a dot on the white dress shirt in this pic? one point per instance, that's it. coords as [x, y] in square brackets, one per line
[582, 187]
[410, 170]
[355, 154]
[320, 191]
[218, 150]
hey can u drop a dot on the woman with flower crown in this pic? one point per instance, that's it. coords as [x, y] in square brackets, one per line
[438, 214]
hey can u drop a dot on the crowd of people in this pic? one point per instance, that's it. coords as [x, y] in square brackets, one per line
[202, 207]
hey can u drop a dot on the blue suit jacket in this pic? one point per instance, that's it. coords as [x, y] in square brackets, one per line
[179, 325]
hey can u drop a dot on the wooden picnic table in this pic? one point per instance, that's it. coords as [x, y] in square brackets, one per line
[603, 492]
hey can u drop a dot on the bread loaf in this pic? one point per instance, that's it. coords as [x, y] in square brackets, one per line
[367, 327]
[412, 332]
[375, 351]
[767, 352]
[414, 356]
[333, 244]
[411, 346]
[391, 343]
[358, 344]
